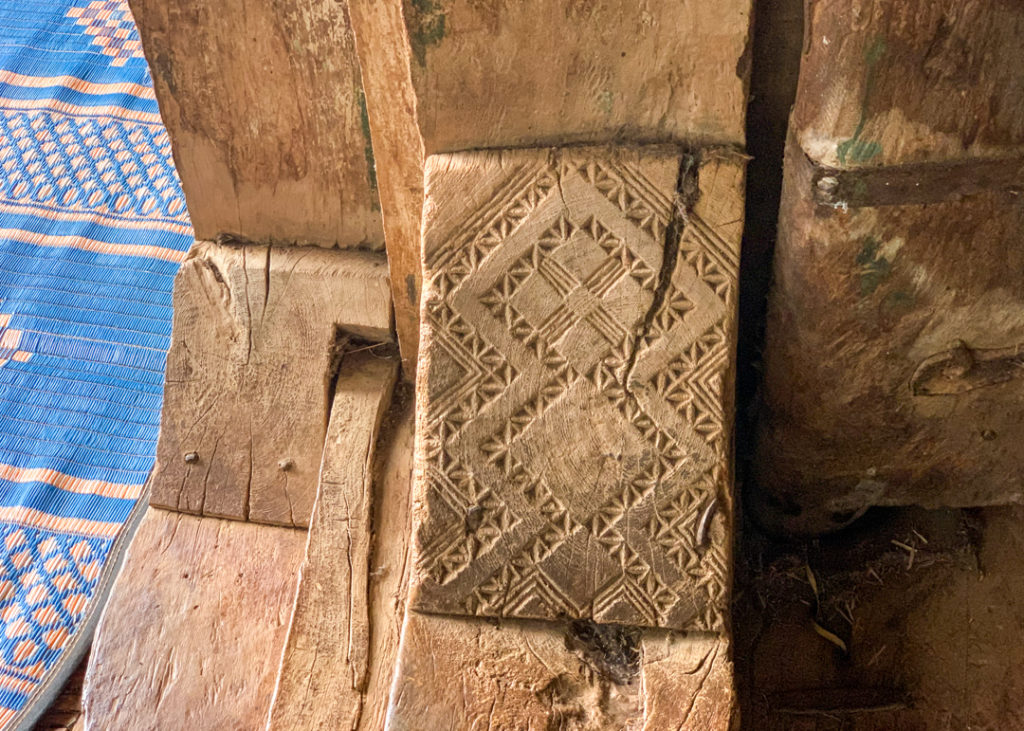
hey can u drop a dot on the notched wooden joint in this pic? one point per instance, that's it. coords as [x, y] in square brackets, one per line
[257, 338]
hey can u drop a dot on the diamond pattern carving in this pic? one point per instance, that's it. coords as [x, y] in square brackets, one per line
[573, 445]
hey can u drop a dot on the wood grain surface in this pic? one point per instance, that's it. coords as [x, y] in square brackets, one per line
[192, 634]
[539, 675]
[265, 110]
[253, 354]
[574, 390]
[325, 665]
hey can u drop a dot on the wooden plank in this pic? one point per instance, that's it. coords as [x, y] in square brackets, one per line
[398, 150]
[894, 82]
[252, 357]
[325, 665]
[551, 313]
[537, 675]
[390, 559]
[191, 636]
[547, 73]
[264, 108]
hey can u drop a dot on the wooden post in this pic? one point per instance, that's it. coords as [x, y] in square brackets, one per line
[325, 664]
[265, 110]
[543, 73]
[574, 381]
[897, 314]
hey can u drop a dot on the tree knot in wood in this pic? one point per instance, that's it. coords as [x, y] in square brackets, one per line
[961, 368]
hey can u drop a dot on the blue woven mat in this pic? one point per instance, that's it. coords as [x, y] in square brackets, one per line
[92, 228]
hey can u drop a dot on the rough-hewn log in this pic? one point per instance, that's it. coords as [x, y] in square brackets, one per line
[325, 665]
[536, 675]
[896, 318]
[892, 82]
[264, 107]
[253, 354]
[191, 636]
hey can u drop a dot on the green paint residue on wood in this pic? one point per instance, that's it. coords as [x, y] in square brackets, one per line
[426, 25]
[872, 266]
[410, 289]
[371, 163]
[606, 101]
[855, 149]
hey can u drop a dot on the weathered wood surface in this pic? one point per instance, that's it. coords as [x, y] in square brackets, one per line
[869, 398]
[539, 676]
[575, 388]
[391, 567]
[687, 682]
[191, 636]
[892, 82]
[546, 72]
[264, 107]
[253, 352]
[325, 665]
[896, 316]
[398, 150]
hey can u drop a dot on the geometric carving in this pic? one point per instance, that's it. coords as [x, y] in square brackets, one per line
[573, 433]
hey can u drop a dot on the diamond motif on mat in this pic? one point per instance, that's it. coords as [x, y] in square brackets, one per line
[101, 165]
[110, 24]
[45, 583]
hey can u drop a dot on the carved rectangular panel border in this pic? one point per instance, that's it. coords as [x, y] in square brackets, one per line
[574, 388]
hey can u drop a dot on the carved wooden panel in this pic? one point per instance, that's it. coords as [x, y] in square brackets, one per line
[249, 375]
[574, 385]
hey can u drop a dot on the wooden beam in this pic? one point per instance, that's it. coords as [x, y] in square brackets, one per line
[325, 665]
[573, 434]
[253, 354]
[265, 111]
[542, 73]
[384, 57]
[551, 73]
[191, 636]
